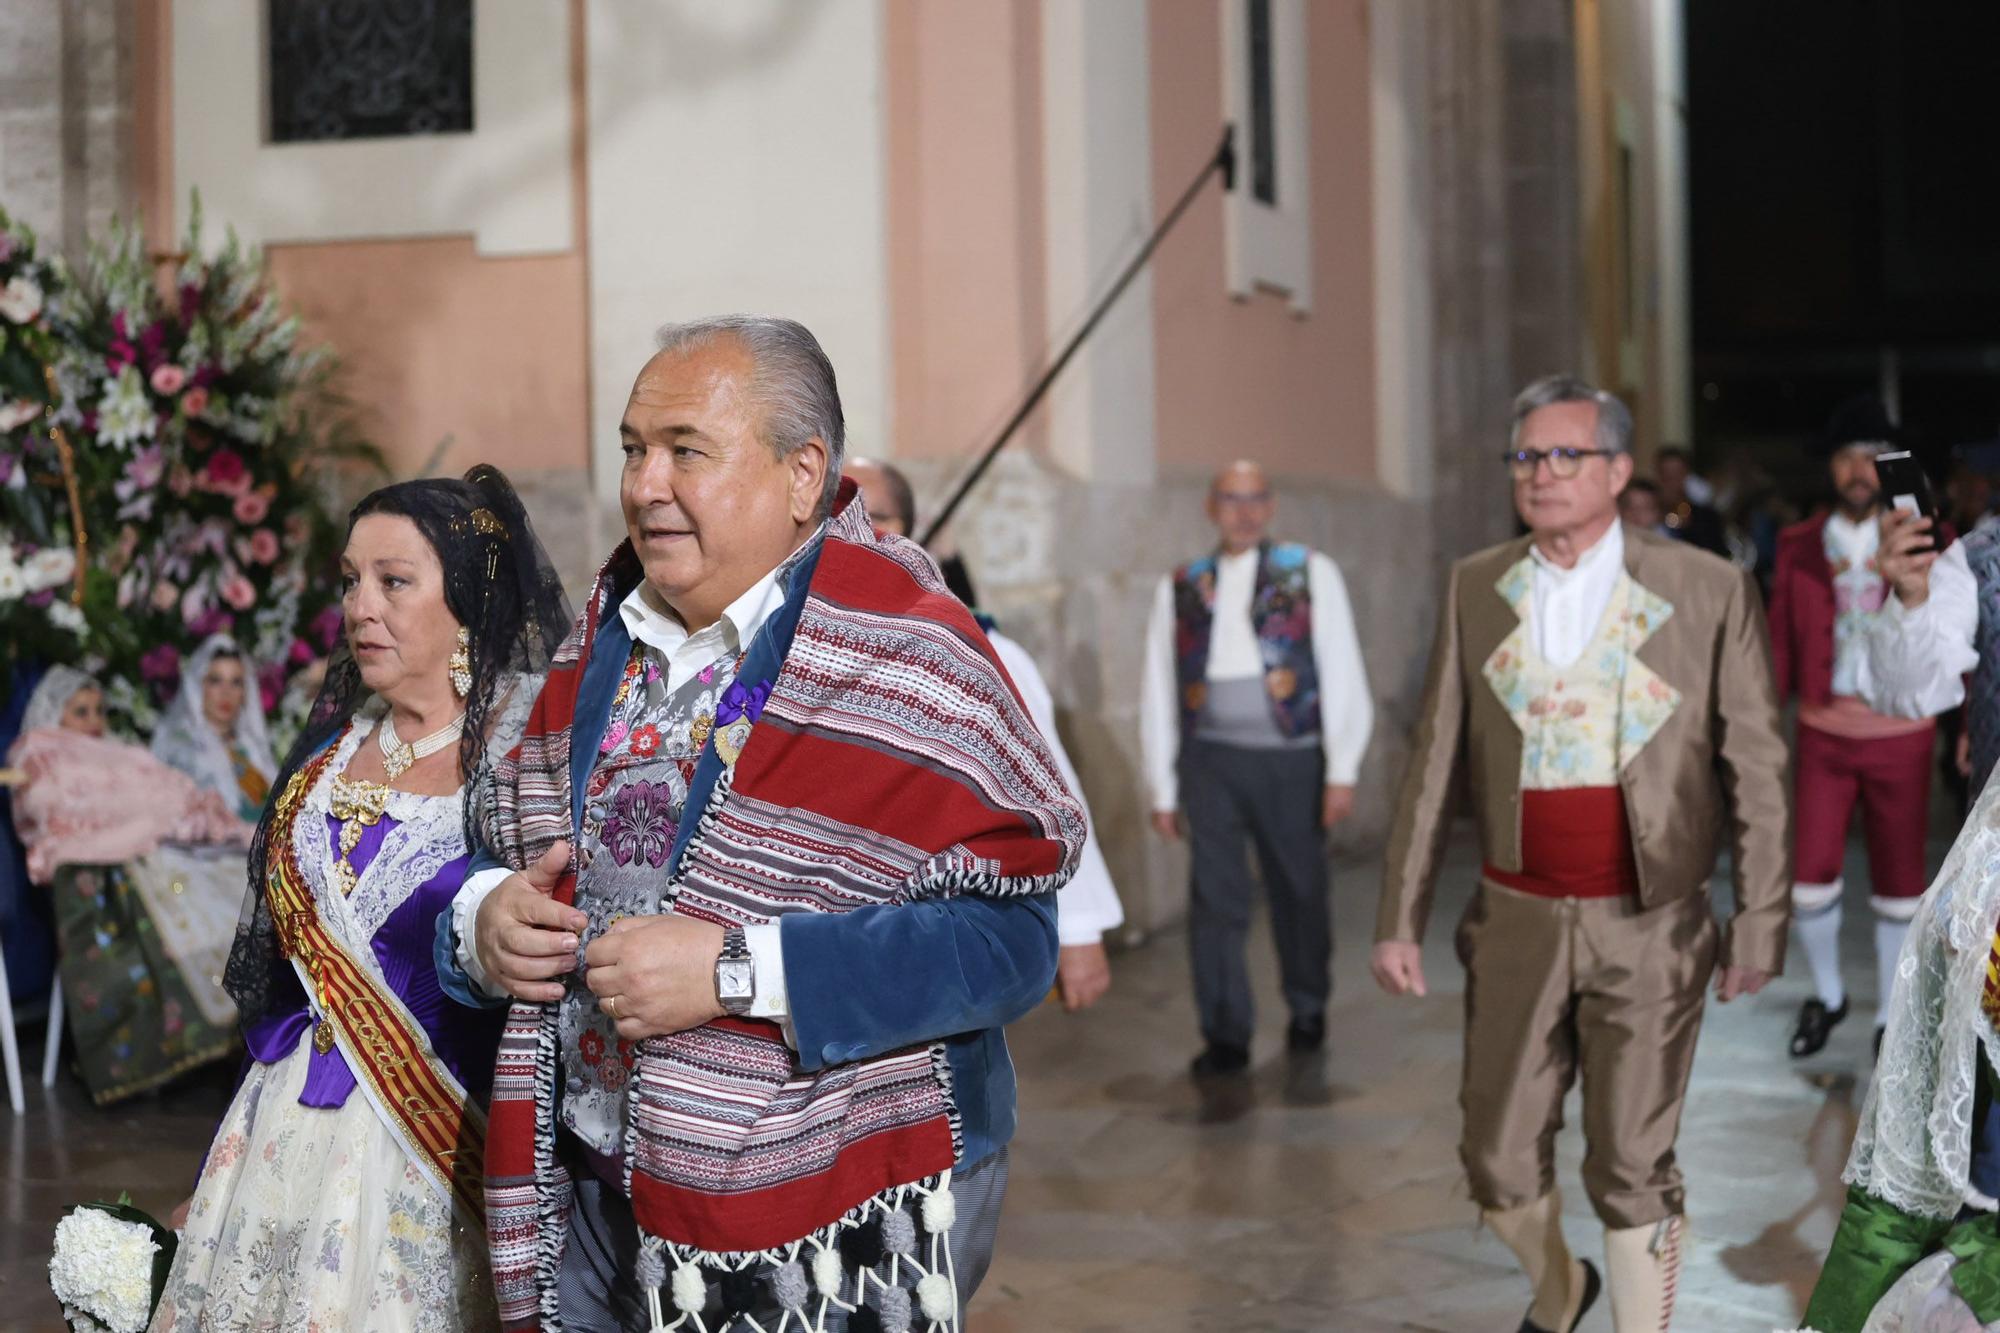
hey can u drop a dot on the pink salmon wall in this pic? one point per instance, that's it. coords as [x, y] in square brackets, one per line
[1250, 378]
[435, 340]
[966, 275]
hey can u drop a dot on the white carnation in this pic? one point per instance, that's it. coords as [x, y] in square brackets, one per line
[49, 567]
[22, 299]
[79, 1322]
[104, 1267]
[67, 615]
[18, 413]
[12, 585]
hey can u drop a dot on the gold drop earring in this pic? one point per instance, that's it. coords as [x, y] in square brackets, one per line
[461, 664]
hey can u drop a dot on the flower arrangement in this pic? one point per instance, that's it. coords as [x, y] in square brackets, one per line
[38, 619]
[109, 1266]
[202, 429]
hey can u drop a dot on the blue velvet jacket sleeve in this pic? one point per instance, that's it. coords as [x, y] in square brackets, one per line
[882, 978]
[444, 949]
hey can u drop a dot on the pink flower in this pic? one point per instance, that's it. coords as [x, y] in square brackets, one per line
[239, 592]
[180, 481]
[224, 468]
[165, 595]
[301, 653]
[263, 544]
[251, 507]
[195, 401]
[168, 379]
[271, 684]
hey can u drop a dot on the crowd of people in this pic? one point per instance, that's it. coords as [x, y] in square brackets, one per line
[648, 966]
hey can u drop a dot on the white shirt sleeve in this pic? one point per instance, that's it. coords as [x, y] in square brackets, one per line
[1346, 711]
[767, 956]
[464, 909]
[1088, 905]
[1160, 705]
[1916, 661]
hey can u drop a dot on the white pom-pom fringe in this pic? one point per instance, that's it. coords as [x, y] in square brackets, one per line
[938, 1299]
[828, 1275]
[940, 1211]
[690, 1292]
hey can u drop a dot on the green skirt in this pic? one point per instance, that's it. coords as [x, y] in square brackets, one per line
[133, 1012]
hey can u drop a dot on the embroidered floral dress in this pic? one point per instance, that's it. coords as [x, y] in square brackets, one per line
[632, 812]
[309, 1214]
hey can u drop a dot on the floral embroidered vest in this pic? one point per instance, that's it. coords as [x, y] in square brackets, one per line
[633, 806]
[1281, 615]
[1581, 724]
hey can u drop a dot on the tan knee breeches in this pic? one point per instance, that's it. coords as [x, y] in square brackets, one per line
[1554, 986]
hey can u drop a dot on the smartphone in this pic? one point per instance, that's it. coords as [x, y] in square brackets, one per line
[1906, 486]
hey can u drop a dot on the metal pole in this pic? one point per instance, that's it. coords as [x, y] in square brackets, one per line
[1224, 161]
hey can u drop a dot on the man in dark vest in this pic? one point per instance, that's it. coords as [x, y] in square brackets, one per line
[1254, 715]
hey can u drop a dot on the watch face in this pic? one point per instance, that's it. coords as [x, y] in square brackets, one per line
[735, 979]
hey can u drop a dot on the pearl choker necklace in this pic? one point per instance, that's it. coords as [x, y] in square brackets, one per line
[398, 755]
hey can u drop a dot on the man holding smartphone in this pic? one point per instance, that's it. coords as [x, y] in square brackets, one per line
[1937, 642]
[1825, 593]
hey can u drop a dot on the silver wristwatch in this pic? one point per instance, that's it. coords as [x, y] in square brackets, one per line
[735, 973]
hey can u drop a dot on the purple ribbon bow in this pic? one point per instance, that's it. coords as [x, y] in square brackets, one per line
[737, 701]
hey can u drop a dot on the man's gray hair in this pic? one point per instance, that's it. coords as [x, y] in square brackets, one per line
[1614, 419]
[792, 381]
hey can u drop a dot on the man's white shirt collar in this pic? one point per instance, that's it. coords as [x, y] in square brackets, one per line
[653, 624]
[1608, 549]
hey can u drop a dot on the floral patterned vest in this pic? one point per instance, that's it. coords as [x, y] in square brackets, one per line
[632, 811]
[1281, 615]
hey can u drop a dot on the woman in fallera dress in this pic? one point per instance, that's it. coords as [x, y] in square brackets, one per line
[145, 870]
[214, 729]
[343, 1188]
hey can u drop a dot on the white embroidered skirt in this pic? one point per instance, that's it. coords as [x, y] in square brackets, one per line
[309, 1217]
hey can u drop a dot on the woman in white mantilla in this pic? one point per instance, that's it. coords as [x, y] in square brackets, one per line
[214, 729]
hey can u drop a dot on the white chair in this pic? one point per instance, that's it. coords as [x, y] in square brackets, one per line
[10, 1051]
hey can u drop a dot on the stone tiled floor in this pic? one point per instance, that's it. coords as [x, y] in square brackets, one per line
[1319, 1198]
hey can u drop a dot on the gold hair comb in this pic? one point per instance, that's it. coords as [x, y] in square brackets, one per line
[484, 521]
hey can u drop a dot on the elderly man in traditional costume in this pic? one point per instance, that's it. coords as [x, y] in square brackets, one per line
[1254, 715]
[1609, 693]
[782, 855]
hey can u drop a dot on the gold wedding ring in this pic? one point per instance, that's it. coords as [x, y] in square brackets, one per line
[606, 1003]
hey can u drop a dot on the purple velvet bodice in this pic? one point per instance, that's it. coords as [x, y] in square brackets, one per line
[464, 1039]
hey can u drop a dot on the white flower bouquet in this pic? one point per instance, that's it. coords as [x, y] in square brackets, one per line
[109, 1266]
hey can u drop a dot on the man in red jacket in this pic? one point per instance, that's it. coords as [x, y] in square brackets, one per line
[1824, 596]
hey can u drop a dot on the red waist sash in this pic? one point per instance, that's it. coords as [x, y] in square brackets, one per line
[1575, 843]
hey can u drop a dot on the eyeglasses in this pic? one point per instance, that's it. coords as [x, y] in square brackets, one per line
[1564, 462]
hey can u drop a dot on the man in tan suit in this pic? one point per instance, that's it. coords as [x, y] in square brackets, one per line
[1609, 694]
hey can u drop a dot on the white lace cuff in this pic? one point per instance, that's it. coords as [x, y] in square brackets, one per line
[464, 909]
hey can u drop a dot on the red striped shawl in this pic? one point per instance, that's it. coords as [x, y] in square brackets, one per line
[893, 762]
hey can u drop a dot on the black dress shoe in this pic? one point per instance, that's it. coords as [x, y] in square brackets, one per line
[1306, 1035]
[1816, 1023]
[1592, 1285]
[1220, 1059]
